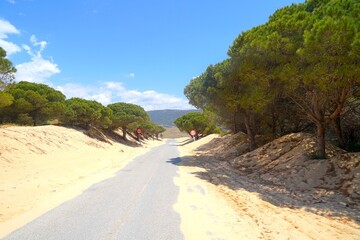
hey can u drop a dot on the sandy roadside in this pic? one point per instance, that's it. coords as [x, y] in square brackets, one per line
[41, 167]
[44, 166]
[205, 213]
[215, 211]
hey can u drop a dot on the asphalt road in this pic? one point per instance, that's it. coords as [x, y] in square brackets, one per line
[135, 204]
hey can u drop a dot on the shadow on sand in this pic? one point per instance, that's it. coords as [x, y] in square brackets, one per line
[106, 136]
[220, 172]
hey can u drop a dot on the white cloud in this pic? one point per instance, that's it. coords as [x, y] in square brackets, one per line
[110, 92]
[115, 86]
[27, 48]
[152, 100]
[7, 28]
[75, 90]
[104, 97]
[11, 1]
[36, 43]
[9, 47]
[98, 94]
[130, 75]
[38, 70]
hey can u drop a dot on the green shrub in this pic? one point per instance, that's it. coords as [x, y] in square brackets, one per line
[25, 119]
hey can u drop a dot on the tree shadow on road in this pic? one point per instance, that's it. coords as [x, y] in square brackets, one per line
[175, 161]
[185, 142]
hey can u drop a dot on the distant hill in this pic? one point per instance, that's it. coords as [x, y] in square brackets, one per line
[167, 117]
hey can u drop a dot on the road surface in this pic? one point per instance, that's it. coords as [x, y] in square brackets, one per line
[135, 204]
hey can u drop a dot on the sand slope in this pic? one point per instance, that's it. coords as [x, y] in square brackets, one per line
[278, 189]
[43, 166]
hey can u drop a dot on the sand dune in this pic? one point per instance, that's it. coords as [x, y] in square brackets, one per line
[276, 191]
[43, 166]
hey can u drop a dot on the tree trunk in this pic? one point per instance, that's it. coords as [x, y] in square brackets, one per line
[273, 127]
[319, 117]
[281, 128]
[338, 131]
[335, 116]
[124, 132]
[36, 119]
[249, 124]
[320, 140]
[235, 130]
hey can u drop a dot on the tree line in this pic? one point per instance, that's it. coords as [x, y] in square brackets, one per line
[202, 123]
[297, 72]
[33, 104]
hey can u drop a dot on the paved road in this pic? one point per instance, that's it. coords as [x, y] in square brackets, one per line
[136, 204]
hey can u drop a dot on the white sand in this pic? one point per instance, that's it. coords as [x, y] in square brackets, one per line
[215, 211]
[205, 213]
[41, 167]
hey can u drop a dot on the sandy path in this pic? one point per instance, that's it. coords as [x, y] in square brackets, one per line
[234, 206]
[41, 167]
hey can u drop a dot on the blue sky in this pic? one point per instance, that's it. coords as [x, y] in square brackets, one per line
[143, 52]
